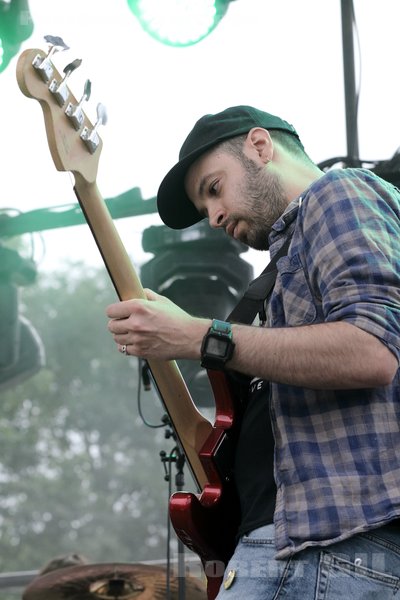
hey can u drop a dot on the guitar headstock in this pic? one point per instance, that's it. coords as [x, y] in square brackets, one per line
[74, 142]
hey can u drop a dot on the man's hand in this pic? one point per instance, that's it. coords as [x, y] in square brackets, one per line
[156, 328]
[321, 356]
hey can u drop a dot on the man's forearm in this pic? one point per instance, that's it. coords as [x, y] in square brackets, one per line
[322, 356]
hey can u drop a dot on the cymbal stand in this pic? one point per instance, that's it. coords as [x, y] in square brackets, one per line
[175, 456]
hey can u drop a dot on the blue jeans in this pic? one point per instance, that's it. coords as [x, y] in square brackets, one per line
[364, 566]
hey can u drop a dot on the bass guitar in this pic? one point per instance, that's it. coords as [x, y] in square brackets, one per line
[205, 521]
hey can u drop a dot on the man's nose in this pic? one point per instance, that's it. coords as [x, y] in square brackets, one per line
[216, 217]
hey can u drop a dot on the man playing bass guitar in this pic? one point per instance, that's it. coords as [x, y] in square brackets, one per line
[317, 464]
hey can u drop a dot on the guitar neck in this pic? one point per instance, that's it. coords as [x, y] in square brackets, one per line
[71, 151]
[191, 428]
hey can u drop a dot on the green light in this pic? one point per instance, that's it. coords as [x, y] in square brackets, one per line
[178, 22]
[15, 27]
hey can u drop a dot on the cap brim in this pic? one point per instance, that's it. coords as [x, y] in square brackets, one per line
[173, 204]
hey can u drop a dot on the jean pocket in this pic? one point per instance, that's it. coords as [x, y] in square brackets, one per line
[339, 578]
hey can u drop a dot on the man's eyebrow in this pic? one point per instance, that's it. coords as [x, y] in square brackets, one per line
[202, 185]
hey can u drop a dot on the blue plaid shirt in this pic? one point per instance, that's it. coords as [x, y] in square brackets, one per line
[337, 452]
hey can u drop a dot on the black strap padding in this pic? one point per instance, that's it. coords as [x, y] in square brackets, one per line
[258, 291]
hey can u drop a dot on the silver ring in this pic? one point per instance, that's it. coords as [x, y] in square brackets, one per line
[123, 349]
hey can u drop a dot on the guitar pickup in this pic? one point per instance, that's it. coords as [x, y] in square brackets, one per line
[224, 457]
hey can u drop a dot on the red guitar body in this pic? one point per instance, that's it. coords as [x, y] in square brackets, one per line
[207, 523]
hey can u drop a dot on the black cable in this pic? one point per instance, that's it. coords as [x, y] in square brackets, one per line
[168, 582]
[346, 160]
[144, 379]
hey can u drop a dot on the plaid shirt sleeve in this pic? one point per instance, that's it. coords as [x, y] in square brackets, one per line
[337, 465]
[351, 233]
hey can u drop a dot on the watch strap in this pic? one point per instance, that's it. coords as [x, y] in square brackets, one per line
[222, 327]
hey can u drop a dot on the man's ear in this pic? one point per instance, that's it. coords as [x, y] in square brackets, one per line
[259, 143]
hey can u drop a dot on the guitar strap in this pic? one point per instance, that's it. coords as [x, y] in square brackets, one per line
[253, 300]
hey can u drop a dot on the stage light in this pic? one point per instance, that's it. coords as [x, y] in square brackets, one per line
[179, 22]
[15, 27]
[21, 349]
[9, 326]
[30, 356]
[199, 269]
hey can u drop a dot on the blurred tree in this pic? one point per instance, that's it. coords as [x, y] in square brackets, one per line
[79, 470]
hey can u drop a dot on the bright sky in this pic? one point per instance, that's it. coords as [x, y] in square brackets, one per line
[284, 57]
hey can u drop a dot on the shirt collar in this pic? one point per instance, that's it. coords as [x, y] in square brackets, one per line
[285, 223]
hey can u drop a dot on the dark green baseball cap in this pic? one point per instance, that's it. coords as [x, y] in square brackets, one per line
[174, 206]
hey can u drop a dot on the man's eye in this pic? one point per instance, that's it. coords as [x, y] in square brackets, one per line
[214, 188]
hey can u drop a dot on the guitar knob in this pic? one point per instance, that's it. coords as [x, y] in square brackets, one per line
[90, 136]
[44, 66]
[59, 88]
[75, 111]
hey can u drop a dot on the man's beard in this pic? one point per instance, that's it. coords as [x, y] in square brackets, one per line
[264, 202]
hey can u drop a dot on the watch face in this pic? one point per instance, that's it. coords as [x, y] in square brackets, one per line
[216, 346]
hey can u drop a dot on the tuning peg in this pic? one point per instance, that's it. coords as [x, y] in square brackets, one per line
[44, 65]
[59, 88]
[56, 41]
[74, 111]
[90, 136]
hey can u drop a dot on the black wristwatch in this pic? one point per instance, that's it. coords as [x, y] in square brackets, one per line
[218, 345]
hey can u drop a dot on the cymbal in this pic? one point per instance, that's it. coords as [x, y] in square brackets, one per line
[111, 581]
